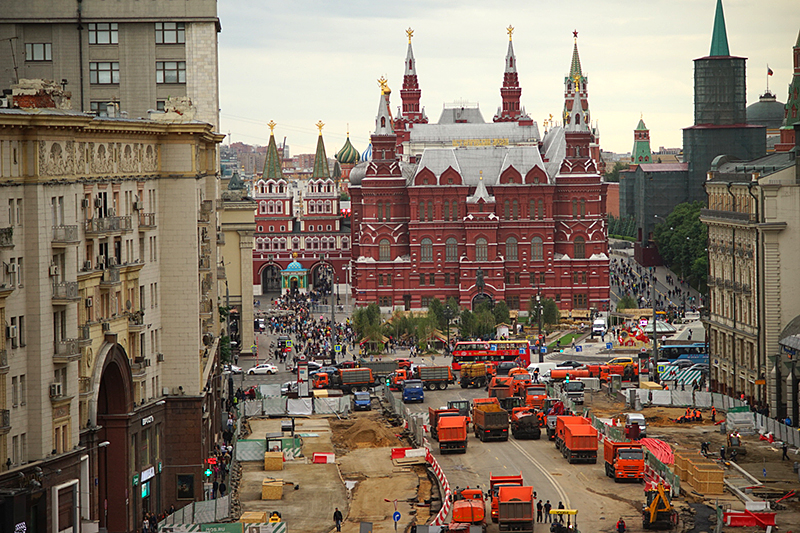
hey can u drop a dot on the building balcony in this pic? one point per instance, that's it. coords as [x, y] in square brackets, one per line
[221, 272]
[139, 366]
[85, 335]
[65, 235]
[65, 292]
[220, 238]
[206, 307]
[147, 220]
[3, 362]
[84, 385]
[718, 215]
[5, 421]
[66, 351]
[204, 264]
[136, 321]
[6, 289]
[206, 210]
[107, 225]
[111, 278]
[7, 237]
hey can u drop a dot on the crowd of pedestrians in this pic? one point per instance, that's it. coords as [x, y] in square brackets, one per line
[632, 279]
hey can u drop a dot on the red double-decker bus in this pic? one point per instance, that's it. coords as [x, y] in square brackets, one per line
[518, 351]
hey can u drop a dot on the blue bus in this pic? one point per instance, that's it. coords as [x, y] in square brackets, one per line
[694, 352]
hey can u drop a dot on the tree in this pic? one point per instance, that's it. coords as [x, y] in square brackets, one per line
[682, 241]
[550, 313]
[613, 174]
[436, 311]
[501, 313]
[627, 302]
[367, 320]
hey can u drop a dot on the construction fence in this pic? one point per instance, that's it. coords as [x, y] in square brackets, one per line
[415, 422]
[281, 406]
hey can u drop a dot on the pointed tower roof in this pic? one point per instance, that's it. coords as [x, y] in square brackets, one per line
[272, 163]
[383, 120]
[640, 126]
[575, 66]
[511, 60]
[411, 65]
[480, 193]
[641, 145]
[321, 169]
[719, 37]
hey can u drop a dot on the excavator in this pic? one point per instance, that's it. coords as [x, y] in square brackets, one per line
[658, 512]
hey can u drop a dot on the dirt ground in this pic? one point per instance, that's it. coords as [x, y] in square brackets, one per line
[761, 457]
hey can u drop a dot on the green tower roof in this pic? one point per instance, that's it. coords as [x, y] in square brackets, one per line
[272, 164]
[575, 66]
[640, 126]
[641, 145]
[321, 169]
[719, 38]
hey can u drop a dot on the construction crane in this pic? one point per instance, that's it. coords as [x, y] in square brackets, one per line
[658, 512]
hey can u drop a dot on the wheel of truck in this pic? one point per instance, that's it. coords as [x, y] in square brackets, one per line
[463, 385]
[608, 470]
[429, 386]
[441, 386]
[444, 386]
[494, 519]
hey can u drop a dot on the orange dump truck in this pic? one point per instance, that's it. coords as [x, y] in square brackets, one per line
[580, 444]
[624, 460]
[561, 425]
[535, 395]
[490, 422]
[516, 509]
[501, 387]
[453, 434]
[468, 510]
[495, 482]
[434, 415]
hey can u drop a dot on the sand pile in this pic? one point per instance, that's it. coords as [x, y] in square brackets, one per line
[362, 433]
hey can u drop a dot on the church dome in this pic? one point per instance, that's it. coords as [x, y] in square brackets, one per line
[367, 154]
[766, 112]
[358, 173]
[348, 155]
[295, 266]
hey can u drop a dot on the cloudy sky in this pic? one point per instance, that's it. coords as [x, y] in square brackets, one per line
[300, 61]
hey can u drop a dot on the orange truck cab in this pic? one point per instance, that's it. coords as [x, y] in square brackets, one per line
[452, 434]
[321, 380]
[398, 377]
[495, 482]
[501, 387]
[535, 395]
[469, 509]
[520, 383]
[624, 460]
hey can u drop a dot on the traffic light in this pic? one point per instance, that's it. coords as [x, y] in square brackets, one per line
[388, 381]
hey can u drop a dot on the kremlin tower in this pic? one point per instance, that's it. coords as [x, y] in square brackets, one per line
[511, 110]
[410, 113]
[641, 145]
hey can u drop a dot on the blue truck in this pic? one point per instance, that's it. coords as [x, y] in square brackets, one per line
[362, 401]
[413, 391]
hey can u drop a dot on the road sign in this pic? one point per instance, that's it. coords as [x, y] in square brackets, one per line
[579, 348]
[396, 516]
[337, 348]
[643, 322]
[289, 344]
[608, 346]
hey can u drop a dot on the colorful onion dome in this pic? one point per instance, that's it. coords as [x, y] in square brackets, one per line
[348, 155]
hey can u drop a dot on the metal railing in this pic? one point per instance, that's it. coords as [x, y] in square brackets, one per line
[204, 263]
[147, 220]
[7, 237]
[84, 334]
[107, 225]
[65, 290]
[84, 385]
[110, 276]
[206, 306]
[221, 272]
[65, 234]
[5, 419]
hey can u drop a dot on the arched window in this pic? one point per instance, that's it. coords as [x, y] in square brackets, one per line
[384, 250]
[583, 207]
[574, 208]
[577, 118]
[580, 248]
[541, 209]
[387, 212]
[532, 209]
[295, 243]
[421, 211]
[380, 211]
[345, 243]
[426, 251]
[310, 207]
[271, 207]
[507, 210]
[537, 249]
[511, 249]
[279, 207]
[327, 206]
[383, 122]
[514, 209]
[262, 207]
[446, 210]
[280, 187]
[451, 250]
[270, 188]
[283, 243]
[430, 211]
[481, 249]
[329, 188]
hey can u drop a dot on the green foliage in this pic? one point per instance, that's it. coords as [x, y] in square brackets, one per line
[225, 349]
[624, 227]
[613, 174]
[367, 321]
[436, 313]
[501, 313]
[224, 313]
[682, 241]
[480, 323]
[627, 302]
[344, 197]
[550, 314]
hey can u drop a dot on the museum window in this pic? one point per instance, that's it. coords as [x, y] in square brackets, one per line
[104, 33]
[387, 211]
[511, 249]
[508, 278]
[421, 212]
[446, 210]
[432, 279]
[426, 301]
[579, 249]
[422, 280]
[583, 208]
[454, 208]
[451, 250]
[447, 278]
[537, 249]
[532, 209]
[170, 33]
[385, 301]
[380, 212]
[574, 208]
[579, 301]
[426, 250]
[430, 211]
[507, 210]
[541, 209]
[38, 52]
[100, 109]
[516, 278]
[103, 72]
[170, 71]
[481, 249]
[512, 302]
[514, 209]
[384, 250]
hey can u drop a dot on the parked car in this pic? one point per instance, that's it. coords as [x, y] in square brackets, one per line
[571, 364]
[347, 364]
[228, 368]
[684, 363]
[313, 366]
[505, 367]
[362, 401]
[263, 368]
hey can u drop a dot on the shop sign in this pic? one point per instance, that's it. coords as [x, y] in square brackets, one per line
[149, 473]
[135, 479]
[147, 420]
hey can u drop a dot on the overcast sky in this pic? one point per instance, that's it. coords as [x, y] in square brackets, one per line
[300, 61]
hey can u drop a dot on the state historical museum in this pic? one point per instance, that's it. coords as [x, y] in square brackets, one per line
[438, 202]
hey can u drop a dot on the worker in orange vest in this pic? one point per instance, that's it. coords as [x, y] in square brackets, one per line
[714, 415]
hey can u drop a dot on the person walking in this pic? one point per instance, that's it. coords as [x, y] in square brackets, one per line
[539, 507]
[337, 519]
[785, 448]
[713, 415]
[547, 516]
[561, 516]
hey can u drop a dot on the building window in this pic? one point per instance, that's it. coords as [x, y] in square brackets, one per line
[541, 209]
[430, 211]
[454, 208]
[511, 249]
[507, 209]
[100, 109]
[384, 250]
[537, 249]
[451, 250]
[481, 249]
[104, 72]
[170, 33]
[422, 280]
[426, 301]
[421, 212]
[508, 278]
[385, 301]
[514, 209]
[513, 302]
[426, 251]
[532, 209]
[516, 278]
[387, 212]
[447, 278]
[38, 52]
[580, 248]
[432, 279]
[574, 208]
[380, 211]
[160, 105]
[170, 71]
[583, 207]
[446, 210]
[579, 301]
[104, 33]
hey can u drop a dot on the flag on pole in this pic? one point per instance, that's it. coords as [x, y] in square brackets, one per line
[769, 71]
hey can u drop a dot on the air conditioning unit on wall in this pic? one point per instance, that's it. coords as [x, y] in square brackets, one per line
[56, 390]
[11, 332]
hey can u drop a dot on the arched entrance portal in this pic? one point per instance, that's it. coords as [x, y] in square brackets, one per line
[322, 278]
[481, 297]
[114, 402]
[270, 279]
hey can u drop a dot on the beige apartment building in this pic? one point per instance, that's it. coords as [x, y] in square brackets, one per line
[109, 379]
[134, 54]
[753, 230]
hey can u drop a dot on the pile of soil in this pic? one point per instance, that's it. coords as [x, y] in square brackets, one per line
[362, 432]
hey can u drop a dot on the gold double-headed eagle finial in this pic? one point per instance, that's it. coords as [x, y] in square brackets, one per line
[320, 125]
[271, 125]
[410, 34]
[383, 82]
[510, 30]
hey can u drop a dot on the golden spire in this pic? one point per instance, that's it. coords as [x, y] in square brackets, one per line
[271, 125]
[577, 79]
[320, 125]
[383, 82]
[510, 30]
[410, 34]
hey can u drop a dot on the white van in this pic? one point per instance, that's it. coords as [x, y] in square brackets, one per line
[637, 418]
[599, 327]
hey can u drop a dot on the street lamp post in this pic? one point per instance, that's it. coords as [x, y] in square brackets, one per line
[539, 312]
[448, 314]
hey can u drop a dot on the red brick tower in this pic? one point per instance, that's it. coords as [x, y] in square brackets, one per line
[411, 112]
[511, 110]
